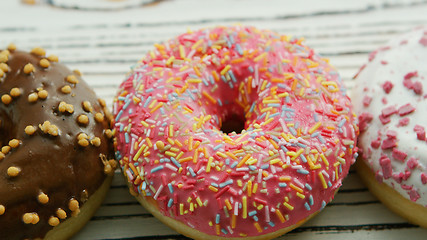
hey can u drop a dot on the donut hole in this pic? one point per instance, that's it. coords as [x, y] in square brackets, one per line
[233, 123]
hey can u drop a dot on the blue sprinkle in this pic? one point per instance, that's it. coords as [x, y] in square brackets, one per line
[284, 148]
[321, 139]
[342, 122]
[303, 171]
[224, 231]
[239, 49]
[147, 101]
[158, 168]
[119, 115]
[252, 213]
[217, 218]
[234, 164]
[273, 105]
[301, 145]
[170, 202]
[303, 158]
[308, 186]
[176, 162]
[218, 146]
[219, 102]
[293, 131]
[144, 185]
[264, 166]
[214, 184]
[224, 79]
[211, 79]
[315, 134]
[252, 107]
[162, 111]
[316, 118]
[122, 127]
[130, 110]
[126, 104]
[250, 69]
[271, 224]
[252, 167]
[274, 114]
[329, 184]
[255, 218]
[323, 204]
[149, 90]
[121, 98]
[282, 184]
[191, 95]
[230, 84]
[193, 174]
[227, 161]
[311, 200]
[228, 182]
[233, 78]
[126, 137]
[170, 187]
[307, 206]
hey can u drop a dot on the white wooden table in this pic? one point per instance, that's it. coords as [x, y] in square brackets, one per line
[103, 44]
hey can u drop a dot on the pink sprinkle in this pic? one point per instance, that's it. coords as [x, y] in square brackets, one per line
[364, 119]
[417, 87]
[406, 109]
[367, 100]
[384, 100]
[384, 120]
[414, 195]
[420, 131]
[391, 134]
[398, 177]
[423, 41]
[376, 144]
[372, 55]
[389, 143]
[399, 155]
[388, 111]
[412, 163]
[406, 187]
[386, 166]
[423, 178]
[387, 86]
[403, 122]
[409, 75]
[404, 42]
[384, 62]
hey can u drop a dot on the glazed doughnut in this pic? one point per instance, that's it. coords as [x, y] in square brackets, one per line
[391, 102]
[297, 144]
[56, 147]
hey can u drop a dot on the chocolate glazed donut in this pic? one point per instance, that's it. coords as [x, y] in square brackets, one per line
[55, 144]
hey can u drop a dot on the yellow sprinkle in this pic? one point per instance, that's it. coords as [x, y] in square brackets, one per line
[144, 124]
[325, 161]
[258, 227]
[172, 142]
[251, 161]
[315, 127]
[186, 159]
[221, 154]
[245, 210]
[170, 154]
[225, 70]
[194, 80]
[300, 195]
[298, 189]
[230, 154]
[255, 188]
[322, 179]
[170, 60]
[280, 216]
[208, 167]
[260, 57]
[274, 161]
[285, 179]
[209, 97]
[171, 131]
[181, 51]
[159, 105]
[244, 159]
[297, 154]
[181, 208]
[139, 152]
[213, 189]
[149, 142]
[228, 204]
[179, 155]
[249, 188]
[290, 207]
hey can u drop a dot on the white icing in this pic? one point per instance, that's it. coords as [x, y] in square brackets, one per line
[400, 59]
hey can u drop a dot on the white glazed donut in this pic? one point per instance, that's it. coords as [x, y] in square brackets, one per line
[391, 103]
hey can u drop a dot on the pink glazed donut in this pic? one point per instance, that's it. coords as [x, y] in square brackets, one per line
[298, 141]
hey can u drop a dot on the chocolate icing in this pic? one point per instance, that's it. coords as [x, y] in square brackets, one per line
[55, 165]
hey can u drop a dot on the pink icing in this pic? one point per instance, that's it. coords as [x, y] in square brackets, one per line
[297, 145]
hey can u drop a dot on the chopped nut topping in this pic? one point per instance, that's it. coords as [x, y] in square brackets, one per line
[15, 92]
[43, 94]
[99, 117]
[87, 106]
[27, 218]
[53, 221]
[44, 63]
[29, 68]
[43, 198]
[14, 143]
[5, 149]
[61, 213]
[66, 89]
[73, 205]
[13, 171]
[49, 128]
[108, 133]
[72, 79]
[77, 72]
[11, 47]
[102, 102]
[96, 141]
[29, 130]
[6, 99]
[83, 142]
[53, 58]
[65, 107]
[38, 51]
[2, 209]
[83, 119]
[4, 67]
[2, 156]
[1, 73]
[33, 97]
